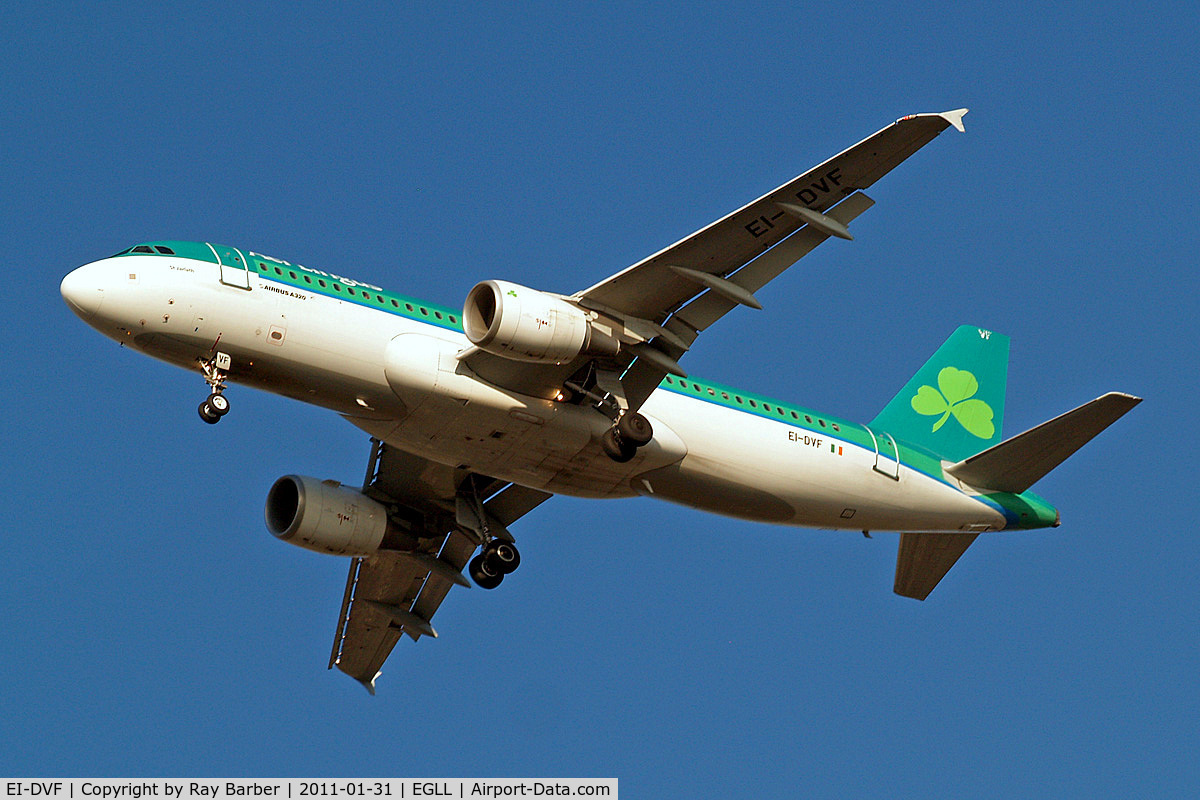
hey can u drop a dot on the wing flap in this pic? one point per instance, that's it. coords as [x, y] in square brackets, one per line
[644, 376]
[366, 633]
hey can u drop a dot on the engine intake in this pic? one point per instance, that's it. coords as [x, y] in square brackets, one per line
[330, 518]
[523, 324]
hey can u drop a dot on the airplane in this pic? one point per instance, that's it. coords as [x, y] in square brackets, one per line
[478, 416]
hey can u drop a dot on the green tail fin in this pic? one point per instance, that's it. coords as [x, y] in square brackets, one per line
[954, 405]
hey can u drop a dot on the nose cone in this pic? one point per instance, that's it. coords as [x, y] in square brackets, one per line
[83, 290]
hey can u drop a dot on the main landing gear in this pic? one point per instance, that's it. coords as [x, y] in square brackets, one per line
[630, 430]
[497, 559]
[628, 433]
[216, 405]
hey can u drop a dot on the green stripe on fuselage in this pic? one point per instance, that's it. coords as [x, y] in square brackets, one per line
[1026, 510]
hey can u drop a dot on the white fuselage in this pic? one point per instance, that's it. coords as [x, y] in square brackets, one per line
[399, 379]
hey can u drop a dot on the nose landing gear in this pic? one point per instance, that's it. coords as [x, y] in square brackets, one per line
[216, 405]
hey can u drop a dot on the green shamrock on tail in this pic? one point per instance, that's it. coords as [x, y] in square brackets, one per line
[956, 385]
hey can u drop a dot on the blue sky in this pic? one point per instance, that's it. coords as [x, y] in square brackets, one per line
[154, 627]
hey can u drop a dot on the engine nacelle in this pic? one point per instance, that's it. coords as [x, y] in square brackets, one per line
[330, 518]
[523, 324]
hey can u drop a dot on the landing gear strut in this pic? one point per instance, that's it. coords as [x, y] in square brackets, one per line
[216, 405]
[497, 559]
[628, 433]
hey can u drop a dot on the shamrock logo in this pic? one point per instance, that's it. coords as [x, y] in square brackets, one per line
[512, 293]
[956, 387]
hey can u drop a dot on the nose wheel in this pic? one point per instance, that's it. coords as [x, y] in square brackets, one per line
[216, 405]
[498, 558]
[213, 408]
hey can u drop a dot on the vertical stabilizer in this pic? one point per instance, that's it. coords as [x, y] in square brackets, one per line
[954, 405]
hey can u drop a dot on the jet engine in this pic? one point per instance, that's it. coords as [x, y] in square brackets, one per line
[330, 518]
[524, 324]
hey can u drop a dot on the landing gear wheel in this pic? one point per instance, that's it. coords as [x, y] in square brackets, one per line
[208, 414]
[501, 557]
[218, 404]
[483, 576]
[615, 447]
[635, 429]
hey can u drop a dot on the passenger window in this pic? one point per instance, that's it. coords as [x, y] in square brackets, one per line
[351, 291]
[738, 398]
[834, 425]
[337, 287]
[278, 271]
[767, 406]
[753, 404]
[321, 282]
[408, 307]
[724, 395]
[795, 415]
[395, 304]
[822, 422]
[437, 314]
[292, 275]
[453, 320]
[307, 279]
[808, 419]
[425, 312]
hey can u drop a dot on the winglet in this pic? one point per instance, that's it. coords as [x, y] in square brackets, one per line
[955, 118]
[370, 685]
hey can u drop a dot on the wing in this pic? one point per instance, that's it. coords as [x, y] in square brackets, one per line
[659, 305]
[395, 593]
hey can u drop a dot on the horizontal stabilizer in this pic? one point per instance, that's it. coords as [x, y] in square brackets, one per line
[1017, 463]
[925, 558]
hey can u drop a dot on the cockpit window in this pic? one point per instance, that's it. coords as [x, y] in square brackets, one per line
[142, 248]
[166, 251]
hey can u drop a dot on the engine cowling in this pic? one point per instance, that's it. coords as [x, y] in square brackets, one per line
[330, 518]
[523, 324]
